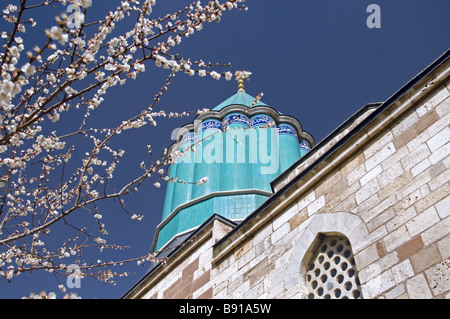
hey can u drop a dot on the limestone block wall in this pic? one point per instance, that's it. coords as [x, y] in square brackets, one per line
[189, 279]
[389, 194]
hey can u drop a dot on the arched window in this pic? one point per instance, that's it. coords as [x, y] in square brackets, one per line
[332, 272]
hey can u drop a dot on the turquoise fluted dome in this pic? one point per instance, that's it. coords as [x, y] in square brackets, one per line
[240, 148]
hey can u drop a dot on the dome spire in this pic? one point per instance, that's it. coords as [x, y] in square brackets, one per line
[240, 84]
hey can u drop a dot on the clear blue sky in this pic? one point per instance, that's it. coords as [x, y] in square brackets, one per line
[315, 60]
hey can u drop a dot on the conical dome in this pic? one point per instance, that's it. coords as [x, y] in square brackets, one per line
[239, 148]
[240, 98]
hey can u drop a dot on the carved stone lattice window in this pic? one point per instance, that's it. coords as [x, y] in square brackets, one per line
[332, 272]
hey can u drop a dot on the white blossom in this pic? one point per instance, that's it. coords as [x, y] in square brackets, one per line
[202, 180]
[139, 67]
[215, 75]
[28, 69]
[57, 34]
[228, 75]
[125, 5]
[9, 274]
[83, 3]
[99, 240]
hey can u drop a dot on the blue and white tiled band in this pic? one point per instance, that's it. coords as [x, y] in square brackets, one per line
[304, 145]
[189, 138]
[210, 124]
[260, 120]
[236, 118]
[284, 129]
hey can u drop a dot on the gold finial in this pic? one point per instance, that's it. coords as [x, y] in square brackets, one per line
[241, 84]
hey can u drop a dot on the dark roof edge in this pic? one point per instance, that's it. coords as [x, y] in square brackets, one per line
[371, 117]
[191, 236]
[327, 139]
